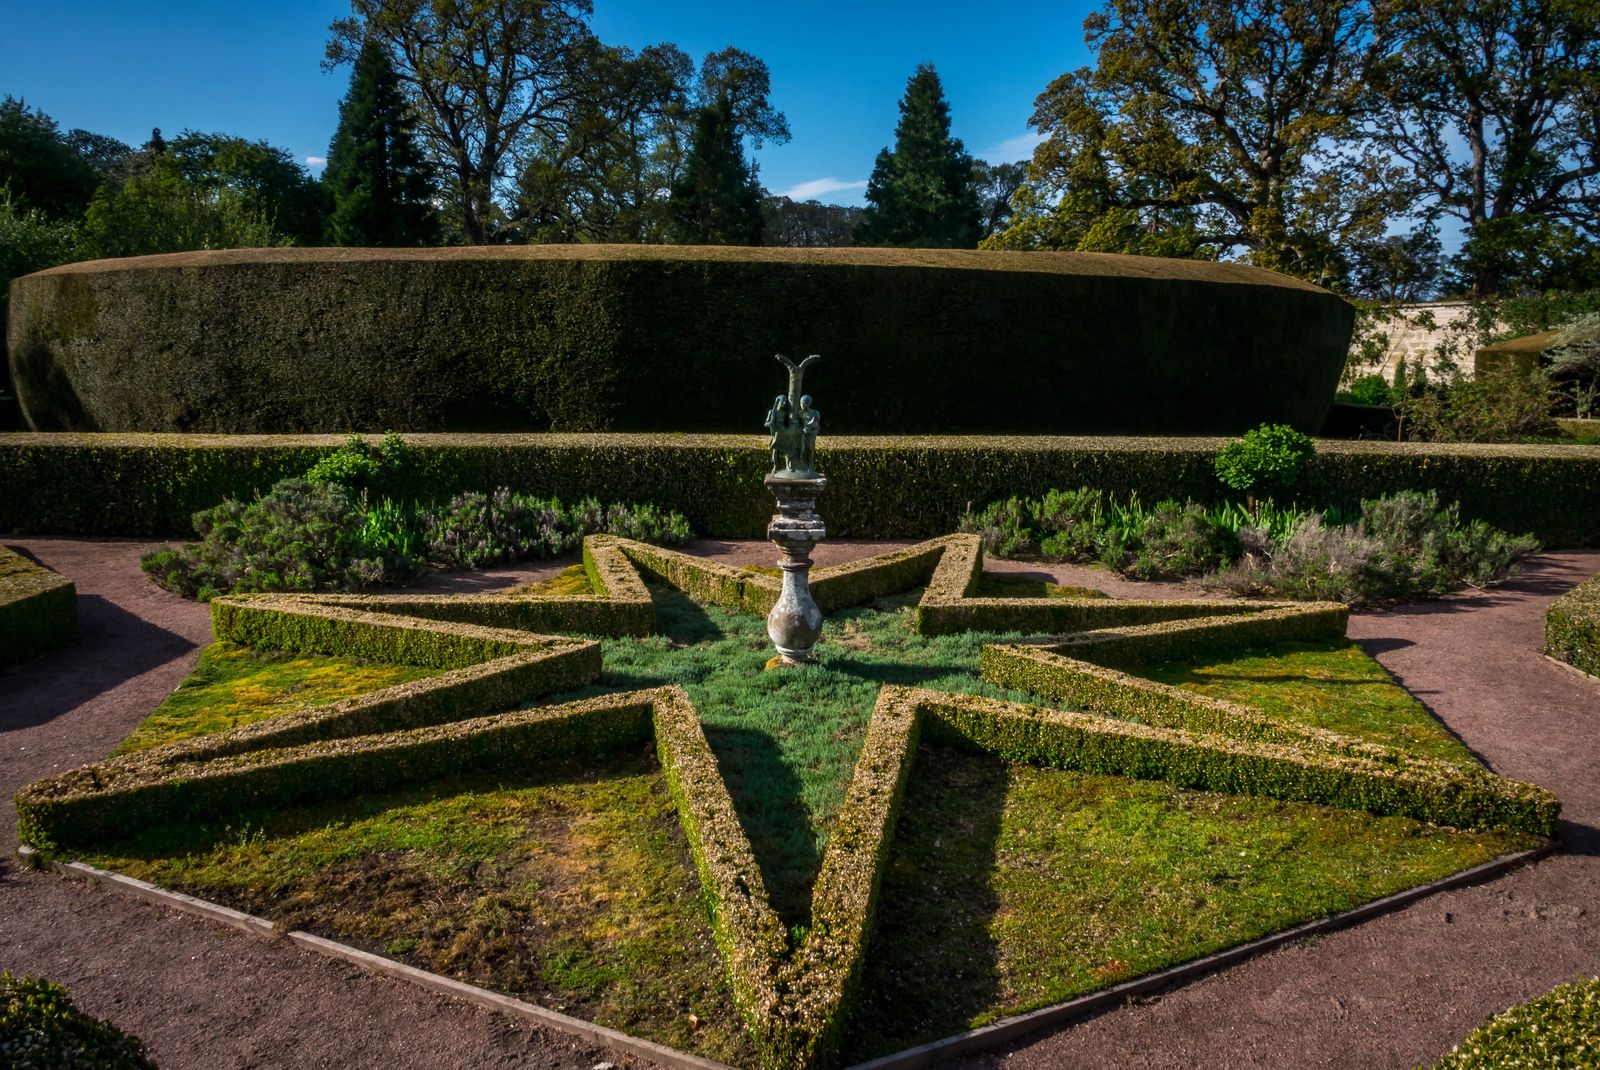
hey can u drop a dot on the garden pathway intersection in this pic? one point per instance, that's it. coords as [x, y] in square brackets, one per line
[1395, 991]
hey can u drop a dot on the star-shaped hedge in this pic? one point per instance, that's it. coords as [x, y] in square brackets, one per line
[502, 651]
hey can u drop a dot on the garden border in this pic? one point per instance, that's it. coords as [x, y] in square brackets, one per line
[929, 1054]
[151, 484]
[1572, 628]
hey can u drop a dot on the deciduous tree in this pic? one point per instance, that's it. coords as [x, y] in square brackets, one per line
[1214, 127]
[1494, 105]
[486, 77]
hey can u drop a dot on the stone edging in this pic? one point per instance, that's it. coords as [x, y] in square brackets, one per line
[263, 928]
[923, 1055]
[1009, 1029]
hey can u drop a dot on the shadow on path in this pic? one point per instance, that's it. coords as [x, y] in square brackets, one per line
[113, 647]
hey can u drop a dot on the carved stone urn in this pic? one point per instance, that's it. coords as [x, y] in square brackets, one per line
[795, 623]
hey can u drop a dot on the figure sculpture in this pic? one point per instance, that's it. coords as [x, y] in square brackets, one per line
[794, 425]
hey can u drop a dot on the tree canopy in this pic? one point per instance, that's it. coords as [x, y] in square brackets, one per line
[924, 191]
[1494, 105]
[1213, 128]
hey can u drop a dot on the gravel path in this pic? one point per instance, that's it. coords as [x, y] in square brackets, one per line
[1391, 992]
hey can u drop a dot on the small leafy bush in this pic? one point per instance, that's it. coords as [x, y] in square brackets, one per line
[1269, 457]
[363, 468]
[304, 536]
[1008, 527]
[298, 537]
[1406, 545]
[1371, 389]
[1558, 1029]
[1171, 540]
[40, 1029]
[1504, 404]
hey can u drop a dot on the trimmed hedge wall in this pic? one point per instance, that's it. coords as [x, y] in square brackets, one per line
[590, 338]
[878, 487]
[38, 609]
[1572, 627]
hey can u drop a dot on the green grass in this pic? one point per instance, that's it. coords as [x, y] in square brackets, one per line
[572, 887]
[1558, 1029]
[1331, 684]
[1012, 887]
[234, 685]
[1004, 585]
[787, 740]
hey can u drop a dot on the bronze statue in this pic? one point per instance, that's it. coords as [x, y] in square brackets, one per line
[794, 426]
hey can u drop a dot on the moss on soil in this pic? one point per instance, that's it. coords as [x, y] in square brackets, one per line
[1013, 887]
[571, 887]
[233, 685]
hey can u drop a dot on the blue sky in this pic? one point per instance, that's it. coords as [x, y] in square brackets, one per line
[838, 70]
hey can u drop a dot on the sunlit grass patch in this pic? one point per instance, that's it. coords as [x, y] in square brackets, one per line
[1012, 887]
[1010, 585]
[1331, 684]
[571, 887]
[234, 685]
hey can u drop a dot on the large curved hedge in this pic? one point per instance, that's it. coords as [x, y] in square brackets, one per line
[629, 338]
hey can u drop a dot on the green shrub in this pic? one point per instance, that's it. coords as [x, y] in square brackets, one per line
[1572, 627]
[1268, 458]
[298, 537]
[1371, 389]
[1007, 528]
[474, 530]
[40, 1029]
[1557, 1030]
[1171, 540]
[1404, 546]
[366, 469]
[38, 609]
[1504, 404]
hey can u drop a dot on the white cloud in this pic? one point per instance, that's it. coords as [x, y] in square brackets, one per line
[1014, 148]
[805, 191]
[316, 161]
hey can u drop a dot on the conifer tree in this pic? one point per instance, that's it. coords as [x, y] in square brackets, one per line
[923, 193]
[380, 185]
[717, 200]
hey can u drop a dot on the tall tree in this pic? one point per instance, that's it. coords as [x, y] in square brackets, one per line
[42, 167]
[378, 183]
[204, 191]
[924, 192]
[1213, 127]
[486, 77]
[997, 185]
[1495, 107]
[607, 176]
[717, 200]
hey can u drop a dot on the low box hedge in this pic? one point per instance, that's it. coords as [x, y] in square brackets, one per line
[38, 609]
[1572, 627]
[905, 487]
[122, 795]
[1421, 789]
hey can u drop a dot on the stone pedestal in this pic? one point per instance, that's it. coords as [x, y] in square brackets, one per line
[795, 623]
